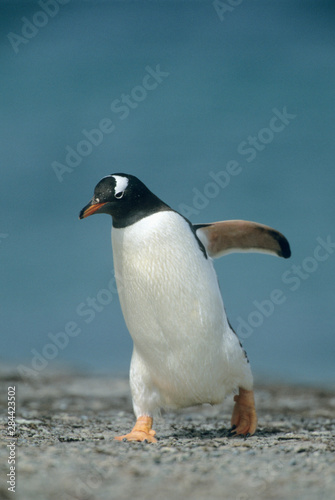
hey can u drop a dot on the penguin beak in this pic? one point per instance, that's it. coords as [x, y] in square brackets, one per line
[90, 209]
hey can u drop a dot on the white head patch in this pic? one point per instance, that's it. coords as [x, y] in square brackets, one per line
[121, 184]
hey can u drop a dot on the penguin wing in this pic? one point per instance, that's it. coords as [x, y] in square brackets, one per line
[221, 238]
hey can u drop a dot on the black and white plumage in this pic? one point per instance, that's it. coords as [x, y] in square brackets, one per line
[185, 352]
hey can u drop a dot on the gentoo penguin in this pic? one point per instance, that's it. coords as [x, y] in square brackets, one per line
[185, 351]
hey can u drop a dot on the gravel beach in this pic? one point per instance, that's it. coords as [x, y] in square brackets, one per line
[64, 447]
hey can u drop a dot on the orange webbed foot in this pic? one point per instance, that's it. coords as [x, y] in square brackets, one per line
[142, 431]
[244, 418]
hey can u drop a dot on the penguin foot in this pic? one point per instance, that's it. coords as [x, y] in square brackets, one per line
[244, 418]
[142, 431]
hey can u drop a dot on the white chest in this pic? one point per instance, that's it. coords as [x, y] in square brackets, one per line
[167, 288]
[173, 309]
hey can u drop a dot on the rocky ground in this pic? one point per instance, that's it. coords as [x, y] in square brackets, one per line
[64, 447]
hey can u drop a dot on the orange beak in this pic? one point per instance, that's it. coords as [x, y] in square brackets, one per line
[90, 209]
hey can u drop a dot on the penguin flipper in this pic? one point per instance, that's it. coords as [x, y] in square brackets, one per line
[221, 238]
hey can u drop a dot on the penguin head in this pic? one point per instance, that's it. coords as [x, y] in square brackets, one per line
[125, 198]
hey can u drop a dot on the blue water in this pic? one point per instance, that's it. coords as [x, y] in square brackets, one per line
[202, 134]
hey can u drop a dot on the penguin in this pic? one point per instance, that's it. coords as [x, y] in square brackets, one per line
[185, 351]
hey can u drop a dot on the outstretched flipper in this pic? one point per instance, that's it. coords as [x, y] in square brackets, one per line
[221, 238]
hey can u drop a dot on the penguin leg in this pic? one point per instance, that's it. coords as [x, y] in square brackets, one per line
[142, 431]
[244, 418]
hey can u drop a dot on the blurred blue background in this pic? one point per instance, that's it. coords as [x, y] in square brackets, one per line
[66, 67]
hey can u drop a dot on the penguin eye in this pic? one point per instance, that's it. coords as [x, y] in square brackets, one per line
[119, 195]
[97, 199]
